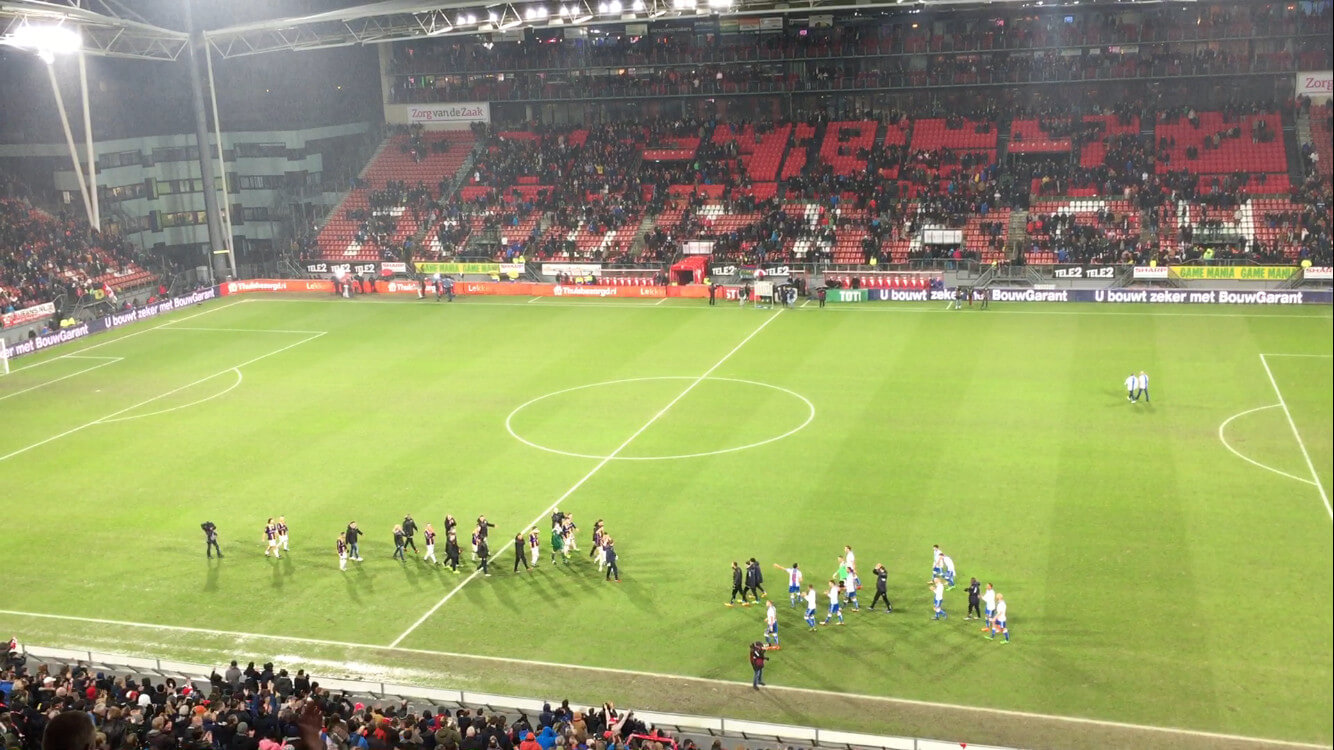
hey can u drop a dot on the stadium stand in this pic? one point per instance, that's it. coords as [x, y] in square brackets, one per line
[43, 257]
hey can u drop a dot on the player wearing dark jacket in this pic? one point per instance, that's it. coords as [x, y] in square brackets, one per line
[738, 585]
[210, 539]
[881, 585]
[452, 552]
[519, 556]
[757, 659]
[974, 600]
[409, 529]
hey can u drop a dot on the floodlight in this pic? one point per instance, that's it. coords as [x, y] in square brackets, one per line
[614, 6]
[46, 40]
[684, 4]
[639, 6]
[720, 4]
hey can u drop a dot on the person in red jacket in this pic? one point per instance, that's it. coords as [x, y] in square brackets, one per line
[757, 659]
[529, 742]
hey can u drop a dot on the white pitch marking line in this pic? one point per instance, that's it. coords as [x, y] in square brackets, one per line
[596, 468]
[807, 302]
[810, 417]
[110, 361]
[534, 299]
[223, 392]
[241, 330]
[658, 675]
[1222, 427]
[659, 302]
[132, 334]
[89, 356]
[1168, 312]
[1300, 443]
[1322, 356]
[145, 402]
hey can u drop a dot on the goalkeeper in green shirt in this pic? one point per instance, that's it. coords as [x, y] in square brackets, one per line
[558, 545]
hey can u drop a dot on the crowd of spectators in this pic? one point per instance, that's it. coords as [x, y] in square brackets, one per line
[977, 49]
[43, 257]
[263, 708]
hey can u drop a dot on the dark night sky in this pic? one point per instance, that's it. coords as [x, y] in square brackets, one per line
[130, 98]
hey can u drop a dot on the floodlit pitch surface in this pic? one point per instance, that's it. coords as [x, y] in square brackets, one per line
[1165, 563]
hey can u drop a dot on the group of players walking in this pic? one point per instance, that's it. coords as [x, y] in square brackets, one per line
[527, 544]
[748, 581]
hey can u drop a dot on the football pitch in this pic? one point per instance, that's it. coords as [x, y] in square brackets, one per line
[1166, 564]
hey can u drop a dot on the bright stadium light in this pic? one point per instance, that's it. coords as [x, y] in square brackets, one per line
[46, 40]
[639, 6]
[720, 4]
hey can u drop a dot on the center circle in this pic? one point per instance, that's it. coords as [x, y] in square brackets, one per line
[805, 406]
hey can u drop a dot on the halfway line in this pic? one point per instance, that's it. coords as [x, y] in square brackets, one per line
[606, 460]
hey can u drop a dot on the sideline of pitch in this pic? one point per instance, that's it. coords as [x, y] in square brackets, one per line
[511, 661]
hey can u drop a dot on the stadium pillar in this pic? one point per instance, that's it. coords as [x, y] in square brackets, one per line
[88, 139]
[69, 139]
[222, 163]
[215, 240]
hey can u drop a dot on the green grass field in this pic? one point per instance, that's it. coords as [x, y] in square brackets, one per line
[1153, 575]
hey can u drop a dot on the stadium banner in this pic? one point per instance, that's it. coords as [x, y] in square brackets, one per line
[566, 290]
[847, 295]
[459, 268]
[108, 322]
[28, 315]
[1165, 296]
[324, 266]
[1317, 84]
[277, 285]
[392, 267]
[908, 295]
[1084, 272]
[572, 269]
[1233, 273]
[1151, 272]
[513, 270]
[459, 114]
[1319, 273]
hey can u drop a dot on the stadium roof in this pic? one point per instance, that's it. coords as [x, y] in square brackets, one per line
[115, 31]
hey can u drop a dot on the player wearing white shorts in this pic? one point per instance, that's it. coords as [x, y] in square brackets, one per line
[810, 606]
[947, 563]
[282, 532]
[937, 567]
[342, 552]
[938, 597]
[534, 546]
[988, 606]
[793, 583]
[835, 605]
[998, 624]
[771, 627]
[429, 532]
[850, 559]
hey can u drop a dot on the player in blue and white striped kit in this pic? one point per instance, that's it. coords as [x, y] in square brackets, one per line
[793, 583]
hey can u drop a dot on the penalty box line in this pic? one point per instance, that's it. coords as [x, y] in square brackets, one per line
[1282, 402]
[713, 681]
[112, 416]
[596, 468]
[106, 361]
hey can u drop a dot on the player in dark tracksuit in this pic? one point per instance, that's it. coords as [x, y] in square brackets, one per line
[210, 539]
[409, 529]
[452, 551]
[881, 584]
[757, 580]
[610, 551]
[974, 600]
[483, 554]
[738, 587]
[519, 556]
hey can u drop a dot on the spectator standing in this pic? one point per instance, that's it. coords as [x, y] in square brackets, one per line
[211, 539]
[757, 659]
[353, 535]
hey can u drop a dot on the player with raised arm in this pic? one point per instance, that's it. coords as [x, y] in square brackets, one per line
[988, 606]
[534, 546]
[793, 582]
